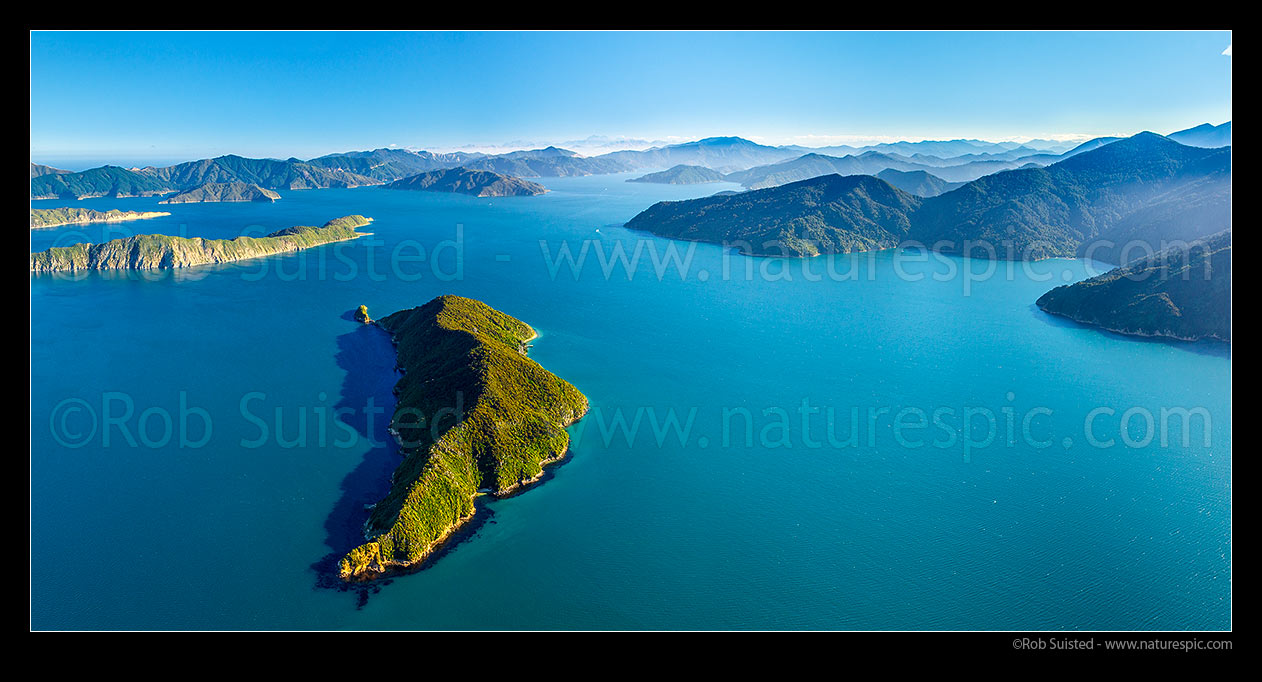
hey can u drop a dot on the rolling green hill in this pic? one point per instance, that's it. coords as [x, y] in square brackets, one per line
[388, 165]
[545, 163]
[720, 153]
[1204, 135]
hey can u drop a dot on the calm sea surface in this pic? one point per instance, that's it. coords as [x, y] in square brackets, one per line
[204, 442]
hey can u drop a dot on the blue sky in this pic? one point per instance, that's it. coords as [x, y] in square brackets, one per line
[161, 97]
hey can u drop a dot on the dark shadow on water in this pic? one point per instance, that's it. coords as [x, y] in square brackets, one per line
[483, 514]
[365, 403]
[1210, 347]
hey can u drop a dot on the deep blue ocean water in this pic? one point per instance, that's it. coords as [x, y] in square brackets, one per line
[753, 520]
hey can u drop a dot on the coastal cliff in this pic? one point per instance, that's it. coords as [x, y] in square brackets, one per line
[491, 420]
[151, 251]
[54, 217]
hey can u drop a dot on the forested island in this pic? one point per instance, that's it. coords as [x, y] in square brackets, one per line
[505, 420]
[153, 251]
[1183, 292]
[479, 183]
[223, 192]
[55, 217]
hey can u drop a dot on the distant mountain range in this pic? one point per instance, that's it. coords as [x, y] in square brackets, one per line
[867, 163]
[1205, 135]
[724, 154]
[464, 181]
[918, 182]
[38, 170]
[749, 163]
[1113, 200]
[267, 173]
[954, 171]
[546, 163]
[1137, 202]
[1094, 201]
[946, 149]
[1089, 201]
[223, 192]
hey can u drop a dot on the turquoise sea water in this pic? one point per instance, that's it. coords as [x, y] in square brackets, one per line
[759, 523]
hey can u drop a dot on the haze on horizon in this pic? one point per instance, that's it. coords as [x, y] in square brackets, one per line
[164, 97]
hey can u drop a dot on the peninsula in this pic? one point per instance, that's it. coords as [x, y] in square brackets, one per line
[682, 175]
[223, 192]
[55, 217]
[157, 251]
[479, 183]
[828, 214]
[1181, 293]
[493, 419]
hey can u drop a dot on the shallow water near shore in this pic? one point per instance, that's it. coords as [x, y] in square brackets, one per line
[757, 512]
